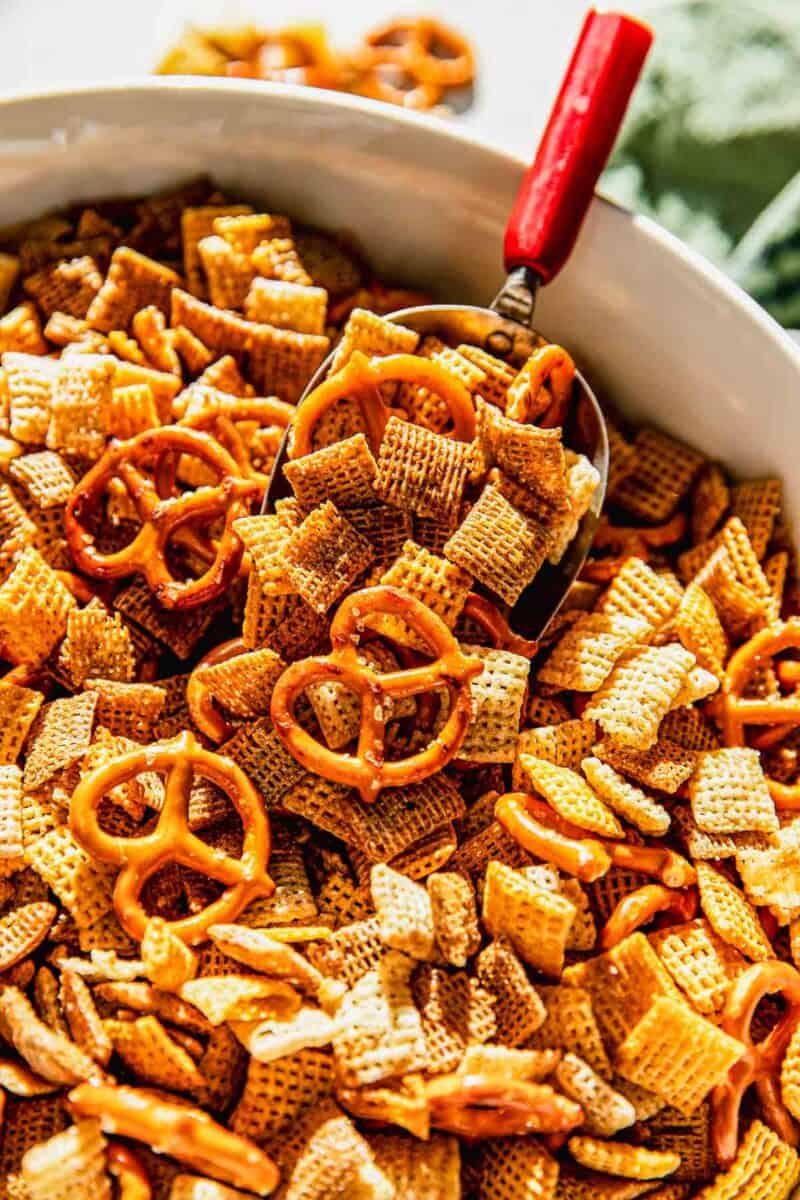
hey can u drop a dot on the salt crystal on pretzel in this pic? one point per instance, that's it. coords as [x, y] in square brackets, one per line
[700, 962]
[639, 692]
[498, 545]
[455, 1010]
[730, 914]
[729, 793]
[535, 921]
[571, 797]
[277, 1092]
[676, 1053]
[518, 1007]
[455, 919]
[664, 472]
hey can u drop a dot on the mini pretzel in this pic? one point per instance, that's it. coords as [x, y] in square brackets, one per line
[659, 861]
[221, 421]
[360, 379]
[141, 857]
[761, 1063]
[583, 857]
[291, 56]
[737, 711]
[208, 719]
[628, 542]
[130, 1175]
[407, 47]
[483, 1106]
[639, 907]
[493, 623]
[366, 770]
[551, 365]
[162, 515]
[179, 1131]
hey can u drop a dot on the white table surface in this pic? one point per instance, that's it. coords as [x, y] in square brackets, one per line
[523, 45]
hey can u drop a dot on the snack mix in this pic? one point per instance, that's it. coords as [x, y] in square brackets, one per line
[317, 879]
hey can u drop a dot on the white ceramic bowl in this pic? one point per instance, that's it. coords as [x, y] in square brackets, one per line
[657, 329]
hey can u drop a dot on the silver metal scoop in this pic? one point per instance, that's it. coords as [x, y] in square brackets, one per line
[544, 223]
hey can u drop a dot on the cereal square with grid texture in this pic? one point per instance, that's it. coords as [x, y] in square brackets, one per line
[638, 591]
[286, 305]
[536, 922]
[499, 546]
[372, 335]
[776, 573]
[323, 1154]
[439, 584]
[29, 382]
[343, 473]
[765, 1168]
[570, 1025]
[664, 766]
[606, 1112]
[583, 479]
[127, 709]
[630, 802]
[61, 736]
[229, 273]
[18, 709]
[698, 843]
[623, 983]
[497, 696]
[569, 795]
[68, 286]
[565, 744]
[401, 816]
[676, 1053]
[518, 1008]
[386, 528]
[196, 224]
[265, 538]
[324, 555]
[419, 1170]
[243, 685]
[757, 503]
[700, 630]
[133, 281]
[515, 1168]
[275, 1093]
[82, 885]
[703, 966]
[277, 258]
[639, 692]
[97, 643]
[11, 844]
[741, 610]
[80, 400]
[455, 917]
[378, 1029]
[21, 331]
[419, 403]
[455, 1011]
[533, 456]
[729, 792]
[664, 472]
[45, 477]
[421, 471]
[587, 653]
[279, 361]
[710, 501]
[404, 912]
[730, 914]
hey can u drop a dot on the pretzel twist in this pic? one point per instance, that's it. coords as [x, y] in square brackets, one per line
[171, 840]
[737, 711]
[361, 378]
[639, 907]
[367, 770]
[760, 1065]
[205, 715]
[221, 421]
[494, 624]
[178, 1130]
[541, 831]
[163, 516]
[482, 1106]
[408, 47]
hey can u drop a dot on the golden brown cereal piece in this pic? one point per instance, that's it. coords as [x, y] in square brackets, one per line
[223, 998]
[132, 410]
[149, 327]
[324, 555]
[493, 1059]
[196, 224]
[277, 258]
[790, 1075]
[80, 398]
[68, 286]
[532, 456]
[571, 797]
[455, 1010]
[246, 231]
[229, 272]
[22, 930]
[168, 961]
[518, 1007]
[343, 473]
[18, 1080]
[29, 381]
[379, 1032]
[455, 919]
[620, 1158]
[498, 375]
[498, 545]
[48, 1052]
[18, 709]
[127, 709]
[152, 1056]
[323, 802]
[350, 951]
[699, 629]
[638, 591]
[17, 529]
[261, 952]
[565, 745]
[622, 983]
[729, 792]
[9, 270]
[535, 921]
[265, 538]
[34, 605]
[286, 305]
[710, 501]
[386, 528]
[730, 914]
[622, 458]
[83, 1019]
[639, 692]
[82, 885]
[11, 842]
[133, 281]
[276, 1093]
[776, 570]
[517, 1168]
[372, 335]
[45, 477]
[665, 766]
[21, 331]
[700, 962]
[69, 1166]
[605, 1110]
[587, 653]
[770, 872]
[323, 1154]
[139, 997]
[441, 585]
[258, 750]
[403, 816]
[404, 912]
[271, 1038]
[583, 479]
[757, 504]
[570, 1025]
[243, 684]
[765, 1168]
[60, 737]
[664, 472]
[741, 611]
[698, 843]
[421, 471]
[629, 801]
[423, 406]
[97, 643]
[676, 1053]
[26, 1122]
[498, 694]
[418, 1170]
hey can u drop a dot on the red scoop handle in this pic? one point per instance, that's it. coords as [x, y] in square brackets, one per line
[558, 187]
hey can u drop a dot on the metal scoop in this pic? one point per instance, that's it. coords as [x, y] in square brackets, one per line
[545, 220]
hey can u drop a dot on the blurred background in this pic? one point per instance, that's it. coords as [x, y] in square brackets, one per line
[711, 147]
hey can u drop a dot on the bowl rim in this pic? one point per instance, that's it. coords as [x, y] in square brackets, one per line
[431, 127]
